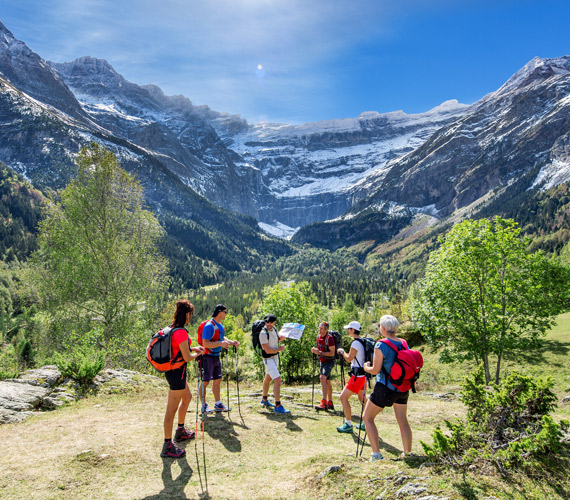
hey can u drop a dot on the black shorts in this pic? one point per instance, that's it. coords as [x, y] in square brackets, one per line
[176, 378]
[326, 369]
[382, 396]
[211, 367]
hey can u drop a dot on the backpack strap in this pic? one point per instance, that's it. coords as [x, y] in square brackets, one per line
[391, 344]
[362, 343]
[178, 356]
[388, 342]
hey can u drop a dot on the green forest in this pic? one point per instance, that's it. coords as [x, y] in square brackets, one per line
[358, 282]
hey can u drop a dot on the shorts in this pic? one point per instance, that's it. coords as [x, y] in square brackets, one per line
[176, 378]
[326, 369]
[382, 396]
[272, 367]
[356, 384]
[211, 367]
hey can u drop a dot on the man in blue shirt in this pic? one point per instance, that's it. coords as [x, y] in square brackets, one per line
[213, 340]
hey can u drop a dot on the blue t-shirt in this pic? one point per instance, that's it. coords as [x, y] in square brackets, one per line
[389, 358]
[209, 331]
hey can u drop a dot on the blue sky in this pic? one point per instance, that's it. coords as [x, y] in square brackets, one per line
[296, 61]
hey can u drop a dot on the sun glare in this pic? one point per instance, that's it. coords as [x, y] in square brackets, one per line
[259, 66]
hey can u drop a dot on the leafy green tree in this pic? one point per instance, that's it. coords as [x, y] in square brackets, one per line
[98, 258]
[484, 293]
[295, 304]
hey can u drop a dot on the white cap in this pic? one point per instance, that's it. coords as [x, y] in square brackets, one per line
[353, 324]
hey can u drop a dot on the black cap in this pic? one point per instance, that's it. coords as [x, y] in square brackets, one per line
[270, 318]
[218, 309]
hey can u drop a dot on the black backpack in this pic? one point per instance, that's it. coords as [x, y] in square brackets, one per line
[337, 342]
[368, 343]
[256, 329]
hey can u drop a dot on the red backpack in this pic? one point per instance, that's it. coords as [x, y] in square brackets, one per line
[406, 368]
[214, 338]
[159, 351]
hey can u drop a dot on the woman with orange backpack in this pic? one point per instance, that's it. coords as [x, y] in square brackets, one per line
[179, 396]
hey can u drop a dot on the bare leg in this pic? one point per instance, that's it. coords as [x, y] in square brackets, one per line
[370, 412]
[203, 387]
[174, 398]
[329, 390]
[266, 382]
[405, 430]
[345, 394]
[183, 408]
[277, 388]
[324, 386]
[216, 389]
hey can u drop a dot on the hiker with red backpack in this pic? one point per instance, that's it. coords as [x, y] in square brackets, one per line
[325, 349]
[357, 380]
[179, 395]
[389, 390]
[211, 335]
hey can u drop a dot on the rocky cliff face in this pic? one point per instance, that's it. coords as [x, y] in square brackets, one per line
[522, 126]
[521, 129]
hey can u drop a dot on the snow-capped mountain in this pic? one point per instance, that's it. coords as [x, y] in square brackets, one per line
[313, 171]
[520, 131]
[286, 176]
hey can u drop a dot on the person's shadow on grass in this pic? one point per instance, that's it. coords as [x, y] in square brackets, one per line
[222, 429]
[288, 418]
[173, 487]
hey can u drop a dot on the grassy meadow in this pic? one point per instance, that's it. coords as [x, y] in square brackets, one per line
[107, 446]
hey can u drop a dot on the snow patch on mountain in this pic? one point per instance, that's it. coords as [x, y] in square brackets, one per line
[278, 229]
[556, 172]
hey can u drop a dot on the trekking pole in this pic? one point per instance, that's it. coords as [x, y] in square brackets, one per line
[360, 425]
[200, 376]
[237, 381]
[227, 378]
[313, 377]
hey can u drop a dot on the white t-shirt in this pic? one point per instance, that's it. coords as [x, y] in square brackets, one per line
[273, 341]
[359, 354]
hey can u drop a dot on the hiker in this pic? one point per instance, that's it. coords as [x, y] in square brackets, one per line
[179, 395]
[269, 340]
[384, 393]
[214, 340]
[326, 351]
[357, 380]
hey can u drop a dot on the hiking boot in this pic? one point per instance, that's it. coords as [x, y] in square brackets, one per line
[182, 434]
[322, 406]
[280, 409]
[330, 405]
[206, 408]
[375, 459]
[220, 407]
[346, 428]
[360, 426]
[170, 450]
[267, 404]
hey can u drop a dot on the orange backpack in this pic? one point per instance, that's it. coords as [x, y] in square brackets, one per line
[159, 351]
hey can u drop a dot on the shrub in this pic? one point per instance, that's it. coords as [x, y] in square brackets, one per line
[82, 364]
[508, 425]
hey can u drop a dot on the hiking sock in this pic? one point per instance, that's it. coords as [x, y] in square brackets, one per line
[277, 403]
[180, 426]
[376, 454]
[349, 422]
[264, 398]
[167, 440]
[219, 402]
